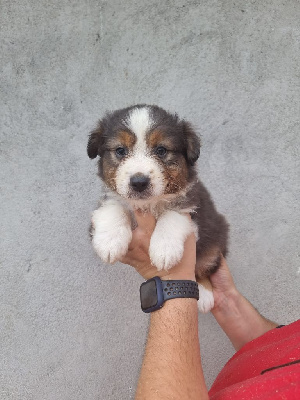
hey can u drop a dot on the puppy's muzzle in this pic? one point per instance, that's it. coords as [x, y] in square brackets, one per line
[139, 182]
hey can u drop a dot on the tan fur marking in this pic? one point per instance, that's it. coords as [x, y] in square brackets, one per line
[155, 138]
[109, 174]
[176, 176]
[126, 139]
[206, 262]
[205, 283]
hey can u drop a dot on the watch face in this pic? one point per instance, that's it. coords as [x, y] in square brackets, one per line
[148, 295]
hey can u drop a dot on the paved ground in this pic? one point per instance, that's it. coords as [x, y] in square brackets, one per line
[71, 327]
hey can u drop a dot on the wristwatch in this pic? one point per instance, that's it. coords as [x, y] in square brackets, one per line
[154, 292]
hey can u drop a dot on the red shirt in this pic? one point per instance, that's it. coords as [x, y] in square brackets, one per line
[244, 376]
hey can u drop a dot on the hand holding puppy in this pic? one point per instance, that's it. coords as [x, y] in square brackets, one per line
[138, 252]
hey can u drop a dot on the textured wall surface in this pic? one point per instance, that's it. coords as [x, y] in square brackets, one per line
[71, 327]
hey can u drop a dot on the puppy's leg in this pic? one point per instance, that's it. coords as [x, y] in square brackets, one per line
[206, 297]
[111, 231]
[167, 241]
[206, 265]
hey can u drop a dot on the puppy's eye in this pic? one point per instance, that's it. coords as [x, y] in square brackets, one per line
[160, 151]
[121, 152]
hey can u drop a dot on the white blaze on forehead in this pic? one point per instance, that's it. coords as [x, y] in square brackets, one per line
[139, 122]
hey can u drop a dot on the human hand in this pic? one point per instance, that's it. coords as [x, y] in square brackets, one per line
[223, 286]
[234, 313]
[138, 252]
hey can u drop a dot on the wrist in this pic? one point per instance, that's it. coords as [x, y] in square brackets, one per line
[227, 301]
[175, 305]
[179, 276]
[168, 275]
[156, 291]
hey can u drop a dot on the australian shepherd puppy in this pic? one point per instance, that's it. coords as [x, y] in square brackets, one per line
[147, 161]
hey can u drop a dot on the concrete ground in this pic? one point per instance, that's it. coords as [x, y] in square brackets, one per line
[71, 327]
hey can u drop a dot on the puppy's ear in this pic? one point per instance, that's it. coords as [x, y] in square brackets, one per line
[192, 143]
[95, 141]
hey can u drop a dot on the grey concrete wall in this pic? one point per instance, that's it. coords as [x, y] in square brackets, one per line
[71, 327]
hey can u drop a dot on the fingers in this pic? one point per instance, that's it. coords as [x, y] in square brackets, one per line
[145, 221]
[142, 233]
[138, 250]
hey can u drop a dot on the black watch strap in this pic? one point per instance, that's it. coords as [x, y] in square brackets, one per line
[178, 289]
[154, 292]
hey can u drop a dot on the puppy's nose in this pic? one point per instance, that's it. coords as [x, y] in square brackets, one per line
[139, 182]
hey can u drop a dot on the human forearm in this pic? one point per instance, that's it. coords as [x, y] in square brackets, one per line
[240, 320]
[172, 365]
[234, 313]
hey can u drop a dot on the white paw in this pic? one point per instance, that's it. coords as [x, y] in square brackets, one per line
[111, 233]
[164, 254]
[167, 241]
[206, 299]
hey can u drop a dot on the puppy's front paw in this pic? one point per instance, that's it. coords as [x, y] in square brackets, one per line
[206, 299]
[165, 252]
[167, 241]
[111, 233]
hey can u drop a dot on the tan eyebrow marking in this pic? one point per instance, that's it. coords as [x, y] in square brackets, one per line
[122, 138]
[127, 139]
[156, 138]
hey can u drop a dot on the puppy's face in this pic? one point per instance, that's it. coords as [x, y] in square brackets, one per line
[144, 152]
